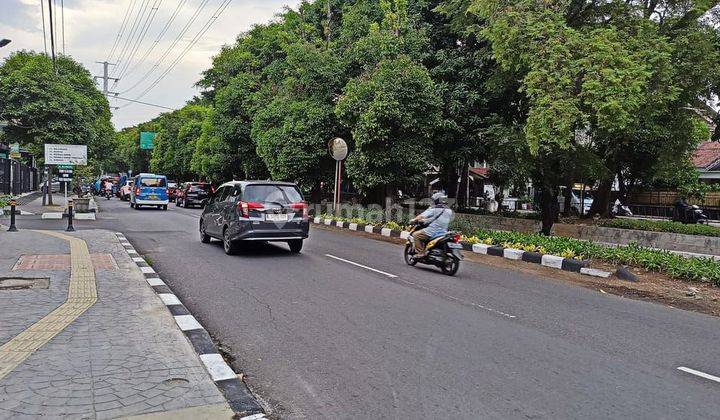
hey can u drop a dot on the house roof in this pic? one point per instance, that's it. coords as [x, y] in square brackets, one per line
[706, 155]
[481, 172]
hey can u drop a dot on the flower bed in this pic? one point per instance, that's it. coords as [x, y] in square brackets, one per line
[677, 266]
[700, 269]
[661, 226]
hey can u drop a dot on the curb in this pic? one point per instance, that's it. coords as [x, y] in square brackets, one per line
[235, 391]
[552, 261]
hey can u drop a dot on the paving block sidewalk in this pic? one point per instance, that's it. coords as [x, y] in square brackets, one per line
[93, 341]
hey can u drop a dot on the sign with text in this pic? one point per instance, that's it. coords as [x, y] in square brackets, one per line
[65, 154]
[146, 139]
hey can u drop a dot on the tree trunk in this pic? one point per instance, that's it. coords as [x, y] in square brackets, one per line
[548, 209]
[567, 206]
[462, 199]
[601, 203]
[316, 193]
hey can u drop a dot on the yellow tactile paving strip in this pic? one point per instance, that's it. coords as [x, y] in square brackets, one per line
[82, 294]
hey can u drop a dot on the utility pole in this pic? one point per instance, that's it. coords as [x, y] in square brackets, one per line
[106, 80]
[52, 37]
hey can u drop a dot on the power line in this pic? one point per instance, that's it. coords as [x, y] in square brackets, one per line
[144, 103]
[146, 26]
[171, 47]
[42, 14]
[62, 9]
[221, 8]
[121, 31]
[156, 42]
[133, 30]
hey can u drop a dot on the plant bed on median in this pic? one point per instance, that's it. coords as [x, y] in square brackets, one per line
[661, 226]
[697, 269]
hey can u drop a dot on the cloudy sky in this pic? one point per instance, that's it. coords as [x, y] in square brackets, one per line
[93, 26]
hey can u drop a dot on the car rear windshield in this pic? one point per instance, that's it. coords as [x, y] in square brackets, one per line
[283, 194]
[152, 182]
[201, 187]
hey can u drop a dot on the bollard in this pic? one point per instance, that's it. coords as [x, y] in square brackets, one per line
[70, 227]
[12, 228]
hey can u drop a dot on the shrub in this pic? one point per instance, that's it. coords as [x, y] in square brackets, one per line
[661, 226]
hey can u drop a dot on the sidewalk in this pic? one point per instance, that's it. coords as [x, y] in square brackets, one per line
[34, 206]
[80, 342]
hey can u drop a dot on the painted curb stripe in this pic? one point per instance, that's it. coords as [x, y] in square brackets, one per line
[187, 322]
[216, 366]
[233, 389]
[155, 281]
[169, 299]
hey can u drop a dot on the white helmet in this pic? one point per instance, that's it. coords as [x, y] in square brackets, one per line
[439, 198]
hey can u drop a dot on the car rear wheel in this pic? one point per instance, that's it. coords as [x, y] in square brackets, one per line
[132, 205]
[204, 237]
[295, 245]
[164, 207]
[229, 246]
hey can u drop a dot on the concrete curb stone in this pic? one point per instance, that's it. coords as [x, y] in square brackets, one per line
[547, 260]
[235, 391]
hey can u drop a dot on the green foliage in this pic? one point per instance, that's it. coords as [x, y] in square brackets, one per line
[391, 113]
[45, 107]
[699, 269]
[661, 226]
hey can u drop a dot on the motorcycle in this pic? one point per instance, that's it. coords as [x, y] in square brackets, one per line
[621, 210]
[108, 194]
[688, 214]
[443, 251]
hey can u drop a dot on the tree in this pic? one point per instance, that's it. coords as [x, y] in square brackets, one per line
[392, 113]
[45, 107]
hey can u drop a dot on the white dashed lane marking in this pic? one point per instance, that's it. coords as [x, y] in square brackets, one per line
[700, 374]
[361, 266]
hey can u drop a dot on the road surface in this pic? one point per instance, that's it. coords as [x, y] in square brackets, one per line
[346, 330]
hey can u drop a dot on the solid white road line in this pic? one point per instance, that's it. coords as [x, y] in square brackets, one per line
[700, 374]
[361, 266]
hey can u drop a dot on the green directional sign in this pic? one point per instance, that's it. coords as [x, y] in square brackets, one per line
[146, 139]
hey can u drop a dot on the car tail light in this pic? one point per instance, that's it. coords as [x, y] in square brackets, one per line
[137, 191]
[301, 206]
[246, 206]
[457, 237]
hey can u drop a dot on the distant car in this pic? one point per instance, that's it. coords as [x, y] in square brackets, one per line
[252, 211]
[193, 194]
[149, 190]
[127, 190]
[172, 187]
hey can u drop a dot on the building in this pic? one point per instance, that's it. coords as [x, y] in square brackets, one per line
[706, 160]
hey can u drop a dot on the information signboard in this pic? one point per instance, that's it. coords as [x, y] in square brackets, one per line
[65, 154]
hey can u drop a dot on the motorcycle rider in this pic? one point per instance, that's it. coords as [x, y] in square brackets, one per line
[436, 218]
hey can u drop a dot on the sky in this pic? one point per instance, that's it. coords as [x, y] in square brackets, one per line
[92, 28]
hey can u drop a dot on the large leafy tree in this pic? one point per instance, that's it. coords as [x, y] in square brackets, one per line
[392, 113]
[45, 106]
[619, 72]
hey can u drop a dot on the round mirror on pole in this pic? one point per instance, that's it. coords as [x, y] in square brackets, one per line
[338, 150]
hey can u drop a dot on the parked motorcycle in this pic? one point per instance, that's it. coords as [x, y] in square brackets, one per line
[685, 213]
[443, 251]
[621, 210]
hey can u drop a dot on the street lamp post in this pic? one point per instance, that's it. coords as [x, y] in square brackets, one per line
[4, 42]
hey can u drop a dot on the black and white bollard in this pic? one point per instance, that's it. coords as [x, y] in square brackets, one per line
[12, 227]
[70, 227]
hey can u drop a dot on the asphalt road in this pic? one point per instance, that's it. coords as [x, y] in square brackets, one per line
[319, 337]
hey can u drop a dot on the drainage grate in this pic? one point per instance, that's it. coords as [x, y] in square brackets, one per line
[21, 283]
